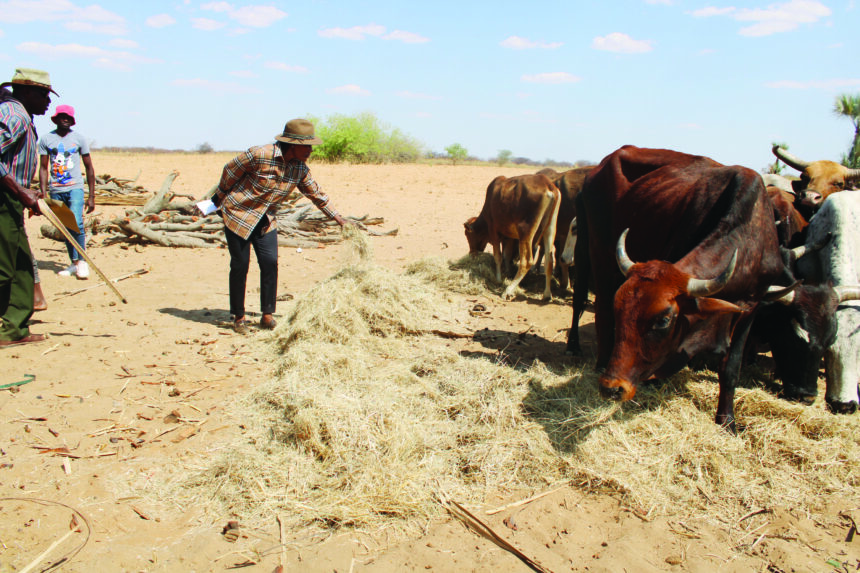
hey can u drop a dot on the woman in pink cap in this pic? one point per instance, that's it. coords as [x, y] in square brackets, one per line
[61, 154]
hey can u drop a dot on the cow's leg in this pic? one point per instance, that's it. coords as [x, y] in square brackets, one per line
[497, 256]
[524, 265]
[842, 363]
[549, 260]
[579, 252]
[730, 371]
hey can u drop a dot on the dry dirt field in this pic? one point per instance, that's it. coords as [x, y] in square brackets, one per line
[110, 374]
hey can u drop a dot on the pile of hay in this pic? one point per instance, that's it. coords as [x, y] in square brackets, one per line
[368, 419]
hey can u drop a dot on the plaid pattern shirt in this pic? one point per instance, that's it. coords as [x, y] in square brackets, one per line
[255, 183]
[18, 139]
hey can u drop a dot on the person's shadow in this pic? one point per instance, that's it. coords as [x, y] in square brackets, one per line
[215, 317]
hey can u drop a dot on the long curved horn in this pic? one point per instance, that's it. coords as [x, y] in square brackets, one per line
[847, 293]
[853, 174]
[706, 287]
[789, 159]
[624, 262]
[804, 250]
[784, 295]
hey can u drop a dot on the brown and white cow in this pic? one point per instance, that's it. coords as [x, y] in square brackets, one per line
[818, 179]
[524, 208]
[570, 184]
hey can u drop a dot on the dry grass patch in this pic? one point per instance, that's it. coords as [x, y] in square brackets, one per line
[366, 420]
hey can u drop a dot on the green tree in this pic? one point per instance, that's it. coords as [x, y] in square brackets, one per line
[776, 166]
[504, 156]
[849, 106]
[456, 152]
[204, 147]
[362, 138]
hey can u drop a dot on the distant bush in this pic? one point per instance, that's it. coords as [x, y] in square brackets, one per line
[504, 156]
[362, 138]
[456, 152]
[204, 147]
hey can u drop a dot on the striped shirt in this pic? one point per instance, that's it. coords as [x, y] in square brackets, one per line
[255, 183]
[18, 139]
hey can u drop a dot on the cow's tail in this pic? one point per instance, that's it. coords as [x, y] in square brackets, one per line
[581, 274]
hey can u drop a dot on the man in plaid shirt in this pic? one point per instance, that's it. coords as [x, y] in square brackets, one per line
[253, 186]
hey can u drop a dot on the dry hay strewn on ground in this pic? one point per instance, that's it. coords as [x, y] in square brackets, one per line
[368, 418]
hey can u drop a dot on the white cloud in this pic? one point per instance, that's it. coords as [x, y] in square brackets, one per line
[354, 33]
[664, 2]
[349, 89]
[406, 37]
[217, 6]
[285, 67]
[116, 60]
[253, 16]
[257, 16]
[551, 78]
[215, 87]
[415, 95]
[206, 24]
[621, 43]
[519, 43]
[160, 21]
[90, 19]
[833, 84]
[776, 18]
[710, 11]
[124, 43]
[374, 30]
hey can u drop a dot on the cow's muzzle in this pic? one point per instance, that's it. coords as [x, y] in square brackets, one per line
[617, 389]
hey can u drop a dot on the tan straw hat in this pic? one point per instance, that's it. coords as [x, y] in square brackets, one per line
[31, 77]
[300, 132]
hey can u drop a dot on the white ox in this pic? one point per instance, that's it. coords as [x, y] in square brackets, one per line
[839, 262]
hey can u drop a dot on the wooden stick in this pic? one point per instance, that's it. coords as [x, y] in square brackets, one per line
[97, 285]
[527, 500]
[46, 211]
[45, 553]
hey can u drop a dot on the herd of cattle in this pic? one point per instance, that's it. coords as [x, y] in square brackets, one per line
[685, 256]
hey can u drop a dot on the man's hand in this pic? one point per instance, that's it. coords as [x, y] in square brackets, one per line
[91, 203]
[30, 199]
[341, 221]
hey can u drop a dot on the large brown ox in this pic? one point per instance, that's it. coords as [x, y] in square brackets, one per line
[707, 237]
[524, 208]
[818, 179]
[570, 184]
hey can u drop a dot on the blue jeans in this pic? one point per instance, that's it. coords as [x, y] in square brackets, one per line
[74, 200]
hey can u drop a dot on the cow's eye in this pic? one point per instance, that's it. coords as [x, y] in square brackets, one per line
[663, 322]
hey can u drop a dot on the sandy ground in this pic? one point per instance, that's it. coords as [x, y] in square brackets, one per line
[111, 373]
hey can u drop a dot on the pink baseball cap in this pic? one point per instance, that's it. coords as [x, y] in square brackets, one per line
[66, 109]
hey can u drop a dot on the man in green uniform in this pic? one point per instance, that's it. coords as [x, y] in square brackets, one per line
[30, 96]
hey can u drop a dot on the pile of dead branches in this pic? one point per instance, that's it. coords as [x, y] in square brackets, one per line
[164, 221]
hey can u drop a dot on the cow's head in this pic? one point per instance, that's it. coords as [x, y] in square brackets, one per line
[569, 244]
[801, 326]
[476, 235]
[658, 309]
[818, 179]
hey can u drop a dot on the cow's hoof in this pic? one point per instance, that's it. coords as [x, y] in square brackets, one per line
[508, 295]
[804, 398]
[837, 407]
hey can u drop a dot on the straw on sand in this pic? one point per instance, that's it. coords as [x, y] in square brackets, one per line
[365, 422]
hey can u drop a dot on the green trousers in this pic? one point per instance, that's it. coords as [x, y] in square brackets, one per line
[16, 275]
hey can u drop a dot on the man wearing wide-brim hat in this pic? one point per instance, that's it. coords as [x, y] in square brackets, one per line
[253, 185]
[30, 96]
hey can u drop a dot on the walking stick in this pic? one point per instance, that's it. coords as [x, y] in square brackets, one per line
[47, 212]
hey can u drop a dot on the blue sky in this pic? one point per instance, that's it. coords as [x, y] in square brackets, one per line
[544, 79]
